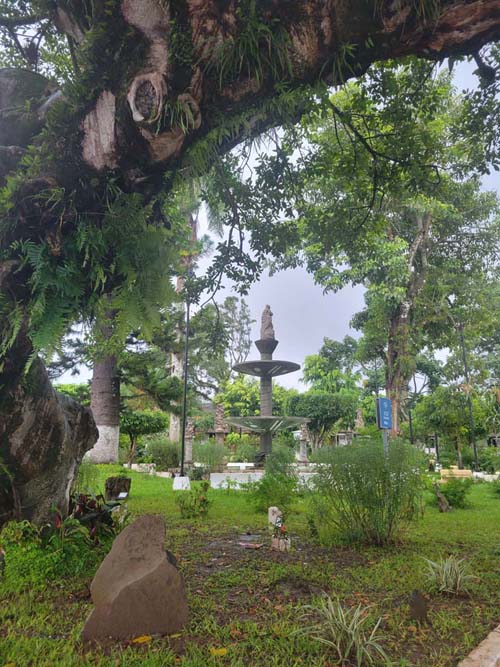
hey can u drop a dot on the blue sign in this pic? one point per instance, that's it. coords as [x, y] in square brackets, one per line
[384, 413]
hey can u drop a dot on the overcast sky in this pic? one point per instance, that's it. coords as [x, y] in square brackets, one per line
[303, 315]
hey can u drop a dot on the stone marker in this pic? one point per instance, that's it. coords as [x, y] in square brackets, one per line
[418, 607]
[114, 486]
[138, 589]
[272, 514]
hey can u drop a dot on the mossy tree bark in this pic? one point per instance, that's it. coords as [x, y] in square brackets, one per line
[162, 86]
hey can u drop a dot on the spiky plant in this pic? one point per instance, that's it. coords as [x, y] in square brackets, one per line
[449, 575]
[350, 632]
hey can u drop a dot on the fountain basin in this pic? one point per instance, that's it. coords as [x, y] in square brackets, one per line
[266, 424]
[266, 367]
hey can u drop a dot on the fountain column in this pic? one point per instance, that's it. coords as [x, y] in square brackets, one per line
[266, 347]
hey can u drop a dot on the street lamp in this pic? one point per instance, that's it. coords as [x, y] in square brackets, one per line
[184, 389]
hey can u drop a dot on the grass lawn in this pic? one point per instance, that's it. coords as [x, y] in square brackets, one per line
[249, 602]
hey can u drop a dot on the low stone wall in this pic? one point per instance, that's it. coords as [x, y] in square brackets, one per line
[487, 654]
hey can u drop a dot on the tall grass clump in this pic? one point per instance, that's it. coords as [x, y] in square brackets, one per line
[360, 494]
[162, 451]
[348, 632]
[209, 453]
[87, 478]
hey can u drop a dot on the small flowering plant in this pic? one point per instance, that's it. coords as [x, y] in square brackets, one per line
[280, 532]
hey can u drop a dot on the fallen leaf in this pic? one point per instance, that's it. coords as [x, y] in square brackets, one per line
[412, 628]
[218, 651]
[143, 639]
[176, 636]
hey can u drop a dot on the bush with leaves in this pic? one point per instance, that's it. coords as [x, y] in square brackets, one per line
[243, 447]
[495, 487]
[195, 503]
[36, 557]
[456, 491]
[136, 423]
[279, 484]
[361, 494]
[349, 632]
[162, 451]
[489, 459]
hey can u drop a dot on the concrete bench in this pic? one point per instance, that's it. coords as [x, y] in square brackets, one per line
[455, 473]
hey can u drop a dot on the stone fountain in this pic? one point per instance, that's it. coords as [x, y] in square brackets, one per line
[266, 368]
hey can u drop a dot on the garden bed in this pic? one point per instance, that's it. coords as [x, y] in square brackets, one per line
[246, 605]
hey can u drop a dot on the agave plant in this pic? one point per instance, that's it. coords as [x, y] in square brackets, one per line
[449, 575]
[348, 631]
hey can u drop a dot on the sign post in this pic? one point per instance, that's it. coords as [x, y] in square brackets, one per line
[384, 419]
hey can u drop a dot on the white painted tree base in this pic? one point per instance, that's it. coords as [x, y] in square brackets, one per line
[105, 449]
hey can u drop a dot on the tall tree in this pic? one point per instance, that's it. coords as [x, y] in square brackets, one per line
[158, 89]
[376, 188]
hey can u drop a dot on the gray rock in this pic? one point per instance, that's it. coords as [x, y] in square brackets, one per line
[138, 589]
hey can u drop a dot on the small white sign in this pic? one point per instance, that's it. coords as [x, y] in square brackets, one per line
[122, 495]
[181, 484]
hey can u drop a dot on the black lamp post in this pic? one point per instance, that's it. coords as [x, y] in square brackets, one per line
[184, 389]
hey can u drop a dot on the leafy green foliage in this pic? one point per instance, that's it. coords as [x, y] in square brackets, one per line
[140, 423]
[324, 410]
[79, 392]
[194, 504]
[161, 451]
[241, 398]
[279, 485]
[456, 491]
[363, 495]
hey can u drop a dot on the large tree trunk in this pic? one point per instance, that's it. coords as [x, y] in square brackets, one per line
[105, 406]
[105, 398]
[163, 86]
[400, 357]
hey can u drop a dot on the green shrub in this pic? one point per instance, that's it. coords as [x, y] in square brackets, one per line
[495, 487]
[279, 484]
[38, 557]
[456, 491]
[195, 503]
[244, 447]
[489, 459]
[362, 495]
[210, 453]
[161, 451]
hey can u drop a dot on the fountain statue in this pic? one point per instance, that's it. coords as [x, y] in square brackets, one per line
[266, 368]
